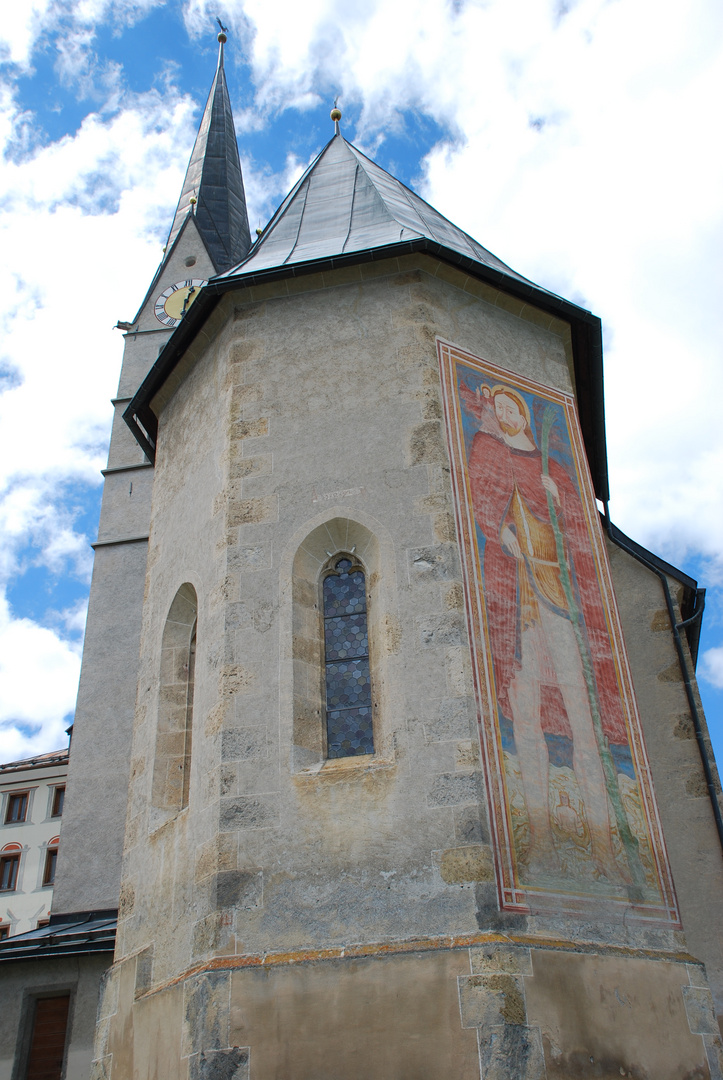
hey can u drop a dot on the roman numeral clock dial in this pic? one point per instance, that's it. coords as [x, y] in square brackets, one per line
[173, 303]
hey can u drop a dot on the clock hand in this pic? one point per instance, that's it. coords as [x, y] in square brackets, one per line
[189, 294]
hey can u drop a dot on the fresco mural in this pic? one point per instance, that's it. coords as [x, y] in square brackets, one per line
[571, 800]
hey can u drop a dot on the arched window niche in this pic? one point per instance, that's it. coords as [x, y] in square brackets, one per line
[313, 561]
[172, 764]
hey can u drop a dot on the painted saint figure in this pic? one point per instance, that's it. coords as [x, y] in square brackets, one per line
[542, 595]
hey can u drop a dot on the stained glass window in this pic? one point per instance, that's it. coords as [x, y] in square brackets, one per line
[346, 652]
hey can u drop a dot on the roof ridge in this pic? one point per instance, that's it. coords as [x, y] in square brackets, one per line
[355, 152]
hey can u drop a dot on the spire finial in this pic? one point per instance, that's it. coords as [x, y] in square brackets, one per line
[336, 116]
[222, 39]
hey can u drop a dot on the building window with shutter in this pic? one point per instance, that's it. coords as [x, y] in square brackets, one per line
[9, 866]
[51, 859]
[17, 808]
[56, 809]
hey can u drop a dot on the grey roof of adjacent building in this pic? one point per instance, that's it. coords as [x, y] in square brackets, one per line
[40, 761]
[345, 203]
[67, 935]
[214, 179]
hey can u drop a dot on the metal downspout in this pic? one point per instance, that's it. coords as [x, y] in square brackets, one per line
[690, 693]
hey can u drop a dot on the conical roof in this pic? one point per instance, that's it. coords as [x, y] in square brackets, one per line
[345, 203]
[214, 179]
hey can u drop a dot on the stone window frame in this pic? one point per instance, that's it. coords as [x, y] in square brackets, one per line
[57, 796]
[11, 799]
[10, 858]
[174, 727]
[307, 558]
[50, 863]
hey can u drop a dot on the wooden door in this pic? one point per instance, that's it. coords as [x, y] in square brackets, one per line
[47, 1047]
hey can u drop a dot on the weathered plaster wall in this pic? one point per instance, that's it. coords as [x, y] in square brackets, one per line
[306, 409]
[499, 1010]
[22, 982]
[683, 800]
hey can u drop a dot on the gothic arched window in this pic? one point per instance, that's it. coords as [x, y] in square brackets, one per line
[348, 699]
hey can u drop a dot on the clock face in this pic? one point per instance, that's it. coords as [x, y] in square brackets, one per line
[173, 303]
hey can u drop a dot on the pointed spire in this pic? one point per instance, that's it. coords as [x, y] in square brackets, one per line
[213, 190]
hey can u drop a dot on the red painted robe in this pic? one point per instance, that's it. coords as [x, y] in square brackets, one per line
[495, 470]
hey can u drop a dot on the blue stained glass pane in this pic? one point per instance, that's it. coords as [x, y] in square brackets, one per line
[348, 685]
[344, 594]
[346, 637]
[349, 733]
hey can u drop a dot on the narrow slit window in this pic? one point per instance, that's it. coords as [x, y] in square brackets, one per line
[349, 731]
[172, 766]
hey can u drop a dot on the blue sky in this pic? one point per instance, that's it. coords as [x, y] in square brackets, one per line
[576, 141]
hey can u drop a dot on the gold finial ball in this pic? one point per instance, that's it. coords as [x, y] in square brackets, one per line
[222, 37]
[336, 114]
[193, 200]
[259, 231]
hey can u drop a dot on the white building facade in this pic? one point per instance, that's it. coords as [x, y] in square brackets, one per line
[32, 793]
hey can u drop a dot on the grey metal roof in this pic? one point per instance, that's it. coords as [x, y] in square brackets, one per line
[67, 935]
[344, 210]
[214, 178]
[345, 203]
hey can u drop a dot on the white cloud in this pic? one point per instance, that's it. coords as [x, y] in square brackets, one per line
[79, 232]
[38, 684]
[712, 666]
[71, 23]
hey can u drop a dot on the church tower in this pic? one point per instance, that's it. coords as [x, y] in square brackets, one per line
[210, 233]
[388, 748]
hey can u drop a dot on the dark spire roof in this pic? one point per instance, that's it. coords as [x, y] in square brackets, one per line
[345, 203]
[214, 179]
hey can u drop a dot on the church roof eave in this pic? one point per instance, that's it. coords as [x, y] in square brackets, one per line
[586, 336]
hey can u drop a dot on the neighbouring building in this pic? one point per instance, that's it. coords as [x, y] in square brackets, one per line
[388, 753]
[31, 807]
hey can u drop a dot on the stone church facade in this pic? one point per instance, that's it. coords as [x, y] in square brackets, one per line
[411, 779]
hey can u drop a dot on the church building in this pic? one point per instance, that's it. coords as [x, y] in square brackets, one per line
[388, 758]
